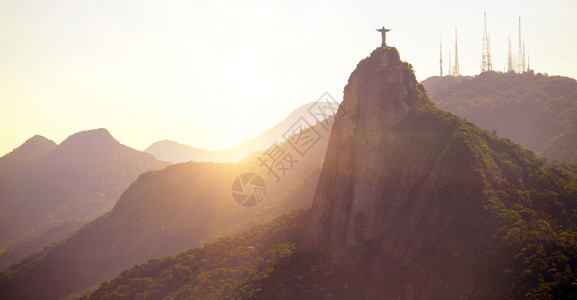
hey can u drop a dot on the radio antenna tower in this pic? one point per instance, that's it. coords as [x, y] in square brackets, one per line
[441, 58]
[509, 58]
[524, 57]
[520, 54]
[450, 72]
[489, 51]
[456, 71]
[486, 56]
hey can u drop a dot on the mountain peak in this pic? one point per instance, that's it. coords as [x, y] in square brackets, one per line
[34, 148]
[87, 141]
[382, 89]
[97, 135]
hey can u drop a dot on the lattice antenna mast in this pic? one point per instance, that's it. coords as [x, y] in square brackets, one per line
[441, 58]
[489, 51]
[450, 67]
[524, 57]
[486, 55]
[520, 55]
[456, 72]
[509, 58]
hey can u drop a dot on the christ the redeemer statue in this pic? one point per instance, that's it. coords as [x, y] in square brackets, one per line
[383, 32]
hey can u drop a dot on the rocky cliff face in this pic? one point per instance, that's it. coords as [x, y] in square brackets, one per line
[399, 182]
[357, 194]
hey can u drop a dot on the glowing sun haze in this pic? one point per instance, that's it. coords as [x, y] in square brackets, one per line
[215, 73]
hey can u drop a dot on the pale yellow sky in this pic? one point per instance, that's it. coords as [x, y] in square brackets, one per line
[214, 73]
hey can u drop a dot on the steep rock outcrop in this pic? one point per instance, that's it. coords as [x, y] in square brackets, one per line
[400, 180]
[349, 204]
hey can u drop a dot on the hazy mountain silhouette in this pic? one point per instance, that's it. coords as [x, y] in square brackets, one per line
[535, 110]
[412, 203]
[79, 179]
[176, 152]
[34, 148]
[161, 213]
[218, 270]
[50, 236]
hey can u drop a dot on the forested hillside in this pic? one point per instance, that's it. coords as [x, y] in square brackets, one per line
[535, 110]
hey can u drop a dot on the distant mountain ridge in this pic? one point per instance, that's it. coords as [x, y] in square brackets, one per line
[311, 113]
[79, 179]
[48, 237]
[175, 152]
[87, 142]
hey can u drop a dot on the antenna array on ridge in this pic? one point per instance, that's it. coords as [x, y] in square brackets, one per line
[450, 72]
[456, 71]
[520, 52]
[486, 64]
[441, 59]
[509, 57]
[515, 63]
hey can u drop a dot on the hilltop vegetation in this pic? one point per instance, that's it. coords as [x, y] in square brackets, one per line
[535, 110]
[527, 224]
